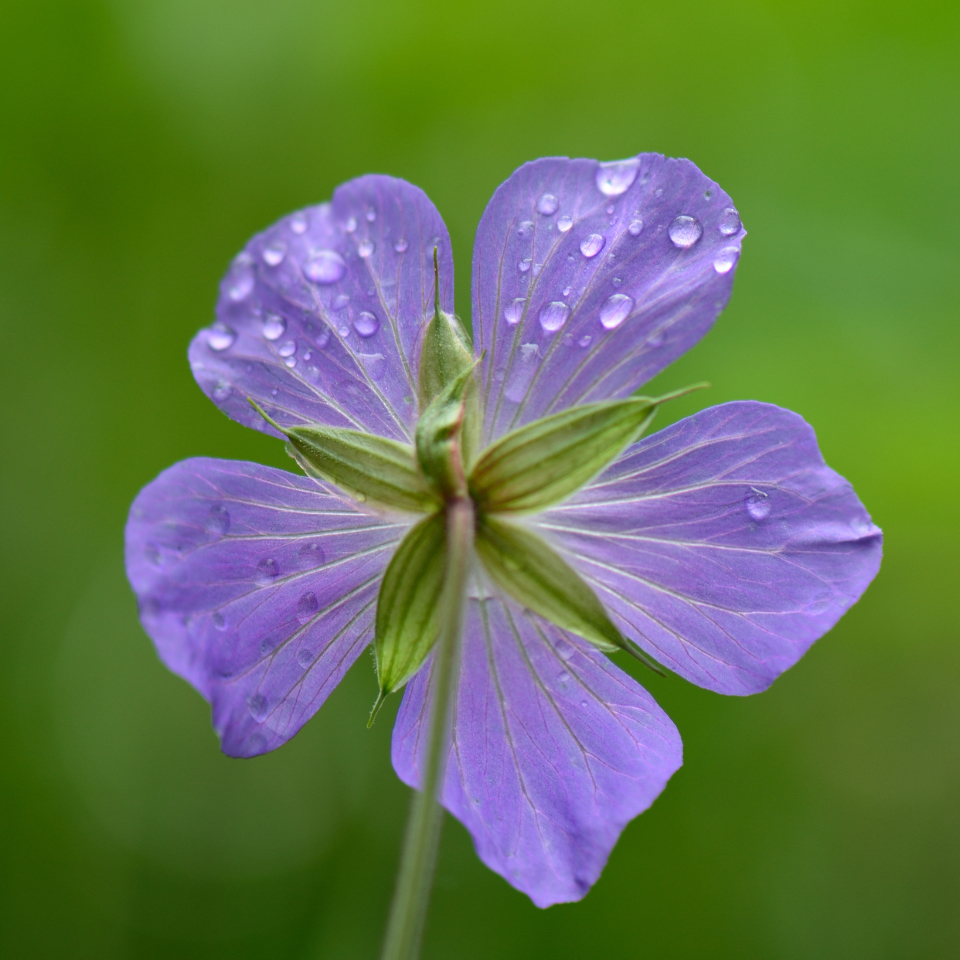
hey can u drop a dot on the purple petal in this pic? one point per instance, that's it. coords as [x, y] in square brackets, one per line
[589, 279]
[723, 545]
[257, 587]
[555, 750]
[320, 317]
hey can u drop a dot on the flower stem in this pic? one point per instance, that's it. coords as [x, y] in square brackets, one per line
[412, 895]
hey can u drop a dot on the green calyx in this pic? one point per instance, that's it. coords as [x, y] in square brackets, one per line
[524, 472]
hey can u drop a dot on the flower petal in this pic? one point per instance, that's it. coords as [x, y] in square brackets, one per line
[589, 279]
[555, 750]
[723, 545]
[257, 587]
[320, 317]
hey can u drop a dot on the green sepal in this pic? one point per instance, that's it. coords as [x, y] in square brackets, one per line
[440, 448]
[544, 462]
[408, 608]
[523, 565]
[371, 469]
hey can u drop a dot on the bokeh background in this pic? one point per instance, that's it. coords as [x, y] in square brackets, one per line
[143, 141]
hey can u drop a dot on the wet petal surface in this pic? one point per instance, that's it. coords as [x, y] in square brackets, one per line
[257, 587]
[320, 317]
[723, 545]
[555, 750]
[589, 294]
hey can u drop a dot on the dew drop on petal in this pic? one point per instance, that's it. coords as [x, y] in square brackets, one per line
[563, 677]
[218, 620]
[547, 204]
[524, 265]
[685, 231]
[290, 362]
[553, 315]
[288, 348]
[400, 245]
[365, 248]
[584, 341]
[592, 245]
[371, 215]
[305, 657]
[310, 555]
[513, 311]
[758, 505]
[257, 705]
[565, 650]
[564, 223]
[617, 177]
[635, 228]
[341, 301]
[241, 283]
[274, 326]
[366, 324]
[729, 222]
[326, 266]
[298, 223]
[267, 571]
[525, 229]
[274, 253]
[221, 391]
[615, 310]
[220, 337]
[152, 555]
[307, 606]
[323, 336]
[726, 259]
[350, 225]
[375, 364]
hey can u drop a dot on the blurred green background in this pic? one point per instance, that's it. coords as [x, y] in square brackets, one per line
[143, 141]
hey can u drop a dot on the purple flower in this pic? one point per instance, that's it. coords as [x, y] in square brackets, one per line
[723, 545]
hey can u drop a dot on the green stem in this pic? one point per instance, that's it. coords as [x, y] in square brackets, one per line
[412, 895]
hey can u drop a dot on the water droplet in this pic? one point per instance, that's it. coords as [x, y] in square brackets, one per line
[707, 194]
[524, 265]
[267, 571]
[298, 223]
[592, 245]
[287, 349]
[257, 705]
[220, 337]
[568, 340]
[656, 338]
[310, 555]
[537, 267]
[322, 337]
[307, 606]
[221, 391]
[350, 225]
[563, 677]
[525, 229]
[547, 204]
[513, 311]
[273, 255]
[757, 504]
[241, 282]
[218, 620]
[564, 223]
[218, 520]
[635, 228]
[617, 177]
[290, 362]
[685, 231]
[326, 266]
[584, 341]
[371, 215]
[365, 248]
[366, 324]
[726, 259]
[274, 326]
[375, 364]
[565, 650]
[343, 331]
[616, 281]
[610, 208]
[553, 315]
[400, 245]
[305, 657]
[567, 291]
[729, 222]
[341, 301]
[583, 703]
[615, 310]
[152, 554]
